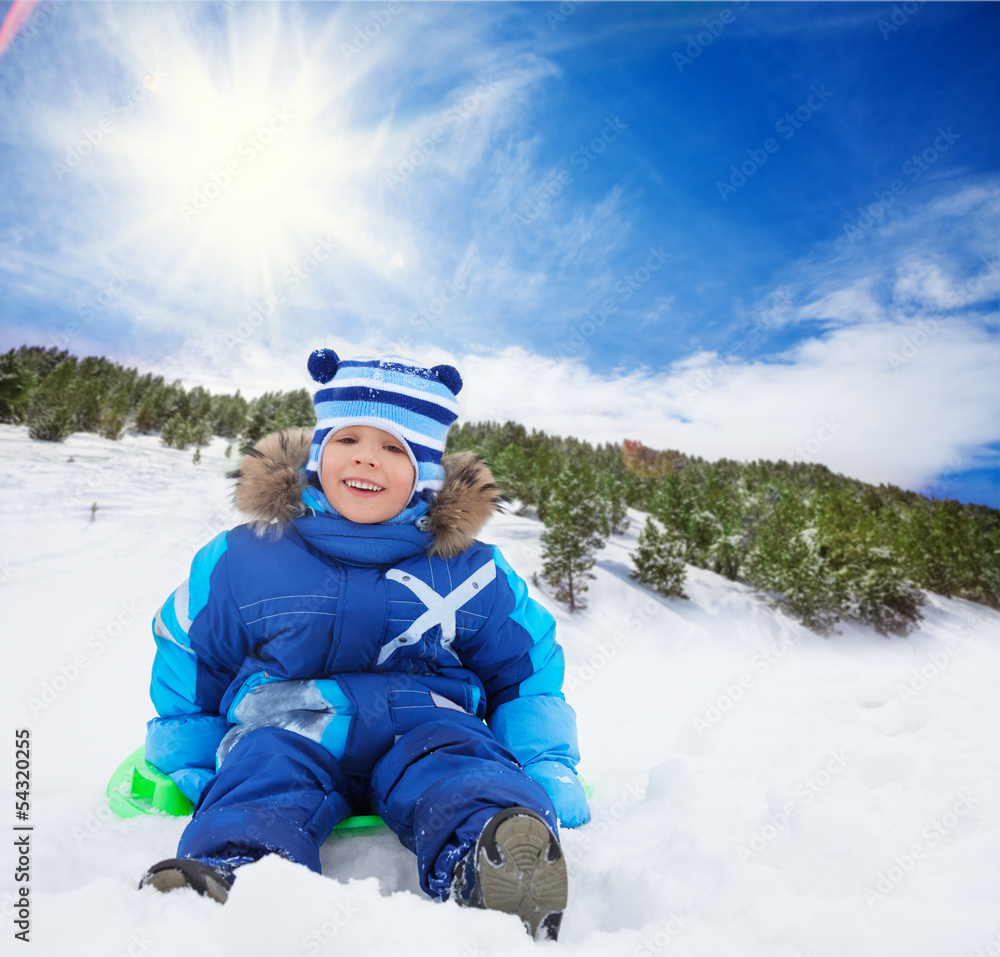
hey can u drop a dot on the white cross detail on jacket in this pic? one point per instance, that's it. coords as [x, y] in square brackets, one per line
[440, 608]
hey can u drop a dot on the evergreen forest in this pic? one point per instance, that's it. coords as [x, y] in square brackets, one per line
[824, 547]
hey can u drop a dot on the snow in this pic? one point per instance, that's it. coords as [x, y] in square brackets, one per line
[758, 789]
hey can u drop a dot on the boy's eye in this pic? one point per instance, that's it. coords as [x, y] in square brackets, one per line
[347, 440]
[395, 448]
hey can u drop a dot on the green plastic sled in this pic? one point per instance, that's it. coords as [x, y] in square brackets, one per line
[137, 787]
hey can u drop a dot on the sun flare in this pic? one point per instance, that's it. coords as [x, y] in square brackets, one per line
[237, 171]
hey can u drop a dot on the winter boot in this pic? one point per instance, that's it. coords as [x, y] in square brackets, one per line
[516, 867]
[209, 881]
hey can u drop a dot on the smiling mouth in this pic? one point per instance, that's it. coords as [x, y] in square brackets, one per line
[363, 486]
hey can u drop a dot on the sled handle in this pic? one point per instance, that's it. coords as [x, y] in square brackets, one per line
[137, 787]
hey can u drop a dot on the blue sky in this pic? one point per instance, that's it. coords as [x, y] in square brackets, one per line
[764, 230]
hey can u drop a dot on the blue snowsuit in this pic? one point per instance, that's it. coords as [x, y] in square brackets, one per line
[338, 669]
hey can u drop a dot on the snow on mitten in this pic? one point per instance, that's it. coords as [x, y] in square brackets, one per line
[564, 789]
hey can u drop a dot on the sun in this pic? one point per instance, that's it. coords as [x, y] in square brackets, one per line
[241, 156]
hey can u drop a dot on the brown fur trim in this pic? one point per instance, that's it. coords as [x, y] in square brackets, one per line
[268, 490]
[465, 504]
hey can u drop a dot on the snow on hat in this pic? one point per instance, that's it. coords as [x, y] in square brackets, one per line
[414, 404]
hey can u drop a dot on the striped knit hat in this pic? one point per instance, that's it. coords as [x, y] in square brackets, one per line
[414, 404]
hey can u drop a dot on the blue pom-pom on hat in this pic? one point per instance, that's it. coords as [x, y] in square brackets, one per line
[323, 365]
[450, 377]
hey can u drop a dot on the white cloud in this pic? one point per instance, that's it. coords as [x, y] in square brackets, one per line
[839, 401]
[923, 282]
[939, 250]
[852, 305]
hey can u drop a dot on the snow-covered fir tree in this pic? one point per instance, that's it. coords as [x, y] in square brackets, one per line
[16, 385]
[574, 516]
[616, 519]
[788, 560]
[114, 416]
[176, 433]
[49, 417]
[659, 561]
[879, 594]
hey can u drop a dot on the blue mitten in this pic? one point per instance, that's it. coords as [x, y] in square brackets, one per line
[564, 789]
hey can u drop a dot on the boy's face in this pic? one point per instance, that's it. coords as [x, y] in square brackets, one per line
[366, 474]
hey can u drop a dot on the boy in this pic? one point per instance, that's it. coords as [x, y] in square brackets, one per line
[341, 652]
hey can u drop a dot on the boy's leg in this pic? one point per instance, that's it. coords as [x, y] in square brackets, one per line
[276, 792]
[441, 783]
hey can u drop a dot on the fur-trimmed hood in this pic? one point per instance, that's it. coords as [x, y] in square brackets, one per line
[269, 491]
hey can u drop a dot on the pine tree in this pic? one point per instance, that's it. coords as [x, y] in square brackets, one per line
[787, 559]
[986, 547]
[43, 361]
[658, 561]
[114, 416]
[259, 415]
[612, 494]
[169, 401]
[17, 382]
[515, 475]
[296, 411]
[676, 506]
[879, 594]
[88, 393]
[145, 414]
[199, 404]
[277, 410]
[176, 433]
[49, 417]
[229, 415]
[573, 519]
[199, 432]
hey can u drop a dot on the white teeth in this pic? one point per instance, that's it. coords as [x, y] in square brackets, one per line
[367, 486]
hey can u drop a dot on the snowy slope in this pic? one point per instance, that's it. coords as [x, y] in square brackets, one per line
[758, 790]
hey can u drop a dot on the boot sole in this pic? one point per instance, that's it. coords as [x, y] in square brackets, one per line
[522, 871]
[176, 874]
